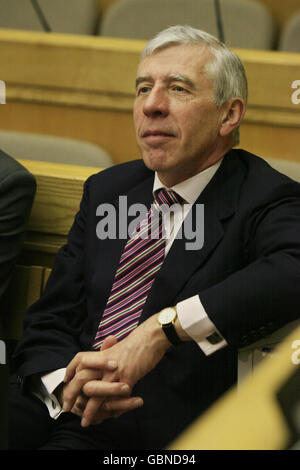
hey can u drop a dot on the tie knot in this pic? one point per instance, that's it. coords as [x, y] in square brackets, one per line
[167, 197]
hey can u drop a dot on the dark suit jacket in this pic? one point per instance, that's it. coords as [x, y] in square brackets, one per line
[17, 189]
[247, 276]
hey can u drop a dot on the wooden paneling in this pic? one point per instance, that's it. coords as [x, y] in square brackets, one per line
[57, 200]
[69, 62]
[27, 282]
[59, 192]
[270, 141]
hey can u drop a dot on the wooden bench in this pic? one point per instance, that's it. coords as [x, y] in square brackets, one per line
[26, 287]
[57, 199]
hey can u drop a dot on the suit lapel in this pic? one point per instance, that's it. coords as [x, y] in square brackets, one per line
[219, 199]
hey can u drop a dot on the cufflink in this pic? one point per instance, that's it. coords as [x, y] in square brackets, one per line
[214, 338]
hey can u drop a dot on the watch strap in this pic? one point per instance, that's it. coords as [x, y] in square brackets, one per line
[171, 334]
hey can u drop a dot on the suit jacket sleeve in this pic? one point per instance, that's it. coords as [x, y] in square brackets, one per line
[17, 189]
[264, 294]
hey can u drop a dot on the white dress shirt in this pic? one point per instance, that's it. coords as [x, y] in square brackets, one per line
[191, 314]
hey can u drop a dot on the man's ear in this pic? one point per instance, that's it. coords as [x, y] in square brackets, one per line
[232, 116]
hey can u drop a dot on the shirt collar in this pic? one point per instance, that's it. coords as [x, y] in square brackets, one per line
[191, 188]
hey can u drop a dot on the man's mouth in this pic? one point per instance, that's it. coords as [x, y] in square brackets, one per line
[157, 135]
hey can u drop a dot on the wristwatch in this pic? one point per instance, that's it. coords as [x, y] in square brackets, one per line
[166, 319]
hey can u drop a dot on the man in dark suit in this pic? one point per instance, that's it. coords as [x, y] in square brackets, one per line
[17, 189]
[174, 350]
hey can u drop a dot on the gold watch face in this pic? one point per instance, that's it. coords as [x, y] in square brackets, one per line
[167, 315]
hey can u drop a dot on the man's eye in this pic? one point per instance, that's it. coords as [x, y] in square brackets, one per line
[179, 89]
[142, 90]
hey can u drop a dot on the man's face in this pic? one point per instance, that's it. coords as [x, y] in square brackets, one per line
[176, 121]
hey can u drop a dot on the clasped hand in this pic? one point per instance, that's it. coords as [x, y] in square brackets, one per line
[98, 384]
[96, 394]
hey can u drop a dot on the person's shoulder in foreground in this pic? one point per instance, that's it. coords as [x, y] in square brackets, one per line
[10, 166]
[17, 190]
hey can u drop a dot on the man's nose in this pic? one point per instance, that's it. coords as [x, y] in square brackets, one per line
[156, 103]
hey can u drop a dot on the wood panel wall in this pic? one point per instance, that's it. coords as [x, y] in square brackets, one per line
[57, 200]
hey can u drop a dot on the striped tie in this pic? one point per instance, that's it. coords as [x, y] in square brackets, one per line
[141, 260]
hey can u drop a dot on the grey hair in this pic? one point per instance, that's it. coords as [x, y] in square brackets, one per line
[225, 69]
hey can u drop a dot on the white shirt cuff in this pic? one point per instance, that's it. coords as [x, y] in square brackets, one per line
[45, 388]
[196, 323]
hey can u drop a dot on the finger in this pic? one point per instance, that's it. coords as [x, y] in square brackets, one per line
[90, 411]
[122, 405]
[78, 362]
[115, 408]
[99, 391]
[103, 389]
[109, 409]
[72, 390]
[72, 366]
[79, 406]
